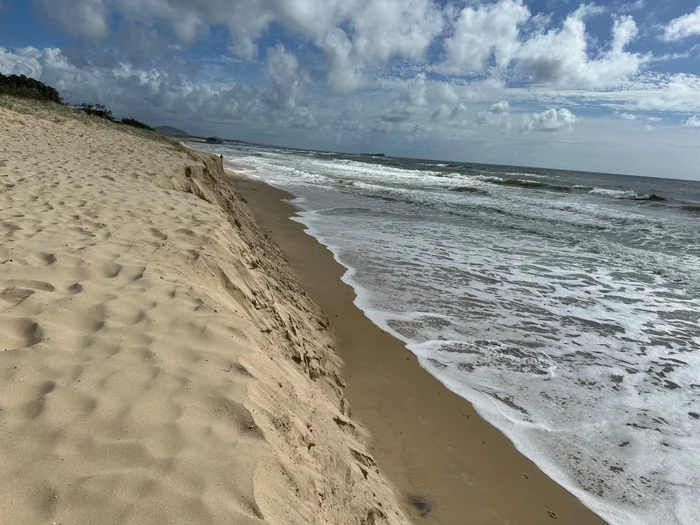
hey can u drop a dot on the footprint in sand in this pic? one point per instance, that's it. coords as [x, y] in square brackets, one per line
[20, 333]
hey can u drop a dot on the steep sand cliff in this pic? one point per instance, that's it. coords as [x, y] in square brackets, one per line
[159, 362]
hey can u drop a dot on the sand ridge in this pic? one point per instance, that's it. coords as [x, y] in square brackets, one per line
[159, 362]
[451, 466]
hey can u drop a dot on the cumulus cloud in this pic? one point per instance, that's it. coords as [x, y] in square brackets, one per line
[482, 31]
[420, 131]
[134, 91]
[416, 91]
[496, 115]
[499, 107]
[683, 27]
[549, 120]
[285, 76]
[680, 92]
[693, 122]
[303, 119]
[352, 36]
[459, 112]
[22, 62]
[561, 56]
[405, 68]
[443, 113]
[357, 38]
[396, 115]
[82, 18]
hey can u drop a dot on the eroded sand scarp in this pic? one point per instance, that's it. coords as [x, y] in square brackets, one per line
[158, 361]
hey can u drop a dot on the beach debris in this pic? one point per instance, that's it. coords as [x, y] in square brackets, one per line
[421, 504]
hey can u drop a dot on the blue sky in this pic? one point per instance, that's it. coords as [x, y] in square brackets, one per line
[608, 86]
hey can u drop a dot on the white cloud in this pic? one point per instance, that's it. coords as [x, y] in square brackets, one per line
[444, 113]
[420, 131]
[628, 7]
[550, 120]
[135, 92]
[561, 56]
[285, 77]
[497, 115]
[448, 93]
[482, 31]
[693, 122]
[680, 92]
[460, 110]
[82, 18]
[396, 115]
[352, 36]
[440, 113]
[22, 62]
[303, 119]
[359, 39]
[415, 91]
[403, 68]
[403, 28]
[499, 107]
[683, 27]
[646, 92]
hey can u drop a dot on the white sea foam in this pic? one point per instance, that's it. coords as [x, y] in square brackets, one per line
[571, 322]
[624, 194]
[569, 436]
[524, 173]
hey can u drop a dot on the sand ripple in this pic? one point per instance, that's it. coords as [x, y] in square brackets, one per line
[158, 362]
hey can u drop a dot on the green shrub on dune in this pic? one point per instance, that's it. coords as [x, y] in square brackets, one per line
[136, 124]
[97, 110]
[27, 95]
[26, 87]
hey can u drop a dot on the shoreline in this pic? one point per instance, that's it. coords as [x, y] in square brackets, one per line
[445, 461]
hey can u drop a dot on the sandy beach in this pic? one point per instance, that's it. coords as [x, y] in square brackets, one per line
[446, 462]
[159, 361]
[335, 262]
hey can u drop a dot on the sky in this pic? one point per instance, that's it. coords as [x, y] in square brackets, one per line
[612, 86]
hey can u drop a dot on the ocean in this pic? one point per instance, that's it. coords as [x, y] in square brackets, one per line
[564, 305]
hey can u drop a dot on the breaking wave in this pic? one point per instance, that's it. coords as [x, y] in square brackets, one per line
[628, 195]
[524, 183]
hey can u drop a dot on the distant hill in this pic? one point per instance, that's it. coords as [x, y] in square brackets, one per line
[169, 130]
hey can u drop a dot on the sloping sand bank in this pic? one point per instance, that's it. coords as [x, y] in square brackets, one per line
[450, 466]
[159, 362]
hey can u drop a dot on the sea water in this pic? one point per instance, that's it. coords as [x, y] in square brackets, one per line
[564, 305]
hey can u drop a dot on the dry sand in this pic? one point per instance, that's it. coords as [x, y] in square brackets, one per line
[159, 363]
[438, 452]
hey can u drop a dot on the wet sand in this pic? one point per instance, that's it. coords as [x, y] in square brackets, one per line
[448, 465]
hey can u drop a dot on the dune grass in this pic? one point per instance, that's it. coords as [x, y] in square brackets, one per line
[59, 113]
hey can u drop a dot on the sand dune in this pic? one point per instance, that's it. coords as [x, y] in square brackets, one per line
[158, 361]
